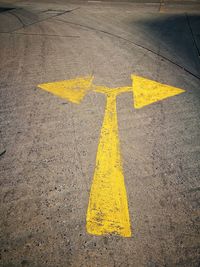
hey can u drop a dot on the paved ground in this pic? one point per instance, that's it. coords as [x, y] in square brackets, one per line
[48, 145]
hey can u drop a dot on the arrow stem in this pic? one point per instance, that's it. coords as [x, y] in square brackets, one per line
[108, 207]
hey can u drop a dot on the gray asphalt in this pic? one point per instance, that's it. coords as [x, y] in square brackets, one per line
[48, 146]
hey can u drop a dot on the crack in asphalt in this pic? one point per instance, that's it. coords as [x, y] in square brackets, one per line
[136, 44]
[192, 33]
[19, 19]
[55, 15]
[42, 34]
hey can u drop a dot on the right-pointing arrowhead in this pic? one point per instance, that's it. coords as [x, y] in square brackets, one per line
[73, 90]
[147, 91]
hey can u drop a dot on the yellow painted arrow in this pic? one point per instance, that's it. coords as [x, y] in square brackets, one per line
[108, 206]
[147, 92]
[73, 90]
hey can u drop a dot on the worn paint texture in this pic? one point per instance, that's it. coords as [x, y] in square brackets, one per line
[108, 206]
[147, 92]
[72, 90]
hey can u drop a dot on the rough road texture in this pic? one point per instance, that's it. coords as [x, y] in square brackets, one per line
[48, 146]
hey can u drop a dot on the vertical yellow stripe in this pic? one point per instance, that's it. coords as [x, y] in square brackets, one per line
[108, 207]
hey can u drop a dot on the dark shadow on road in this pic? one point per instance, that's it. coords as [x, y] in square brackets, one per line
[4, 9]
[176, 37]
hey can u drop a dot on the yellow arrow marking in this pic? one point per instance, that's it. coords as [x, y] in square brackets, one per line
[147, 92]
[108, 207]
[72, 90]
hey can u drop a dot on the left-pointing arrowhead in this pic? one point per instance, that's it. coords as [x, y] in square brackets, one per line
[73, 90]
[147, 92]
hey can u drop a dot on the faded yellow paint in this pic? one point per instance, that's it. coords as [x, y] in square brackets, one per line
[147, 92]
[72, 90]
[117, 90]
[108, 208]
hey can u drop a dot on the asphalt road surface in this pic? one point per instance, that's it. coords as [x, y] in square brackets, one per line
[48, 145]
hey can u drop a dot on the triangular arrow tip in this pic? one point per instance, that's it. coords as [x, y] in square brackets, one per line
[72, 90]
[147, 91]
